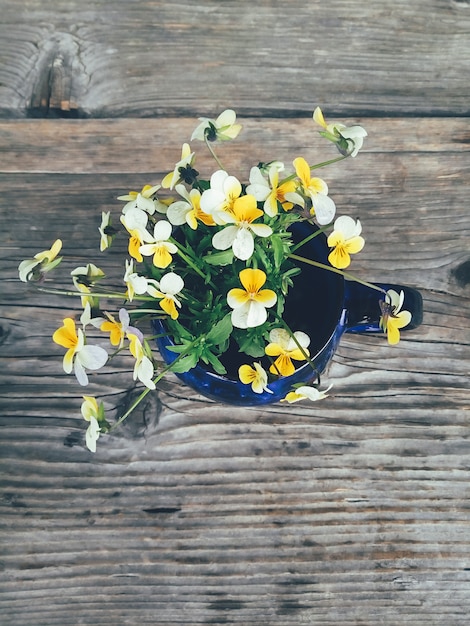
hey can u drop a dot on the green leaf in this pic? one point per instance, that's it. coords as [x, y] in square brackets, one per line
[180, 347]
[251, 344]
[286, 281]
[215, 362]
[204, 184]
[278, 249]
[221, 331]
[178, 330]
[225, 257]
[261, 254]
[185, 363]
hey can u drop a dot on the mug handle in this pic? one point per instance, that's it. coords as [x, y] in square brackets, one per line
[363, 309]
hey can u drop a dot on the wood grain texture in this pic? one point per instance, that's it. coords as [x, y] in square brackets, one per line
[351, 511]
[161, 58]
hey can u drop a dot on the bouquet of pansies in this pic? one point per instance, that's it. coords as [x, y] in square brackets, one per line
[215, 258]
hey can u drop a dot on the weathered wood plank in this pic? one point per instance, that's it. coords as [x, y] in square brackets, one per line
[318, 521]
[394, 187]
[162, 58]
[350, 511]
[143, 146]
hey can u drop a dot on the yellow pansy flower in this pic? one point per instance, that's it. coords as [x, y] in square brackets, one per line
[218, 200]
[223, 128]
[46, 261]
[393, 318]
[188, 210]
[345, 240]
[160, 248]
[78, 355]
[115, 330]
[135, 284]
[239, 235]
[316, 189]
[348, 139]
[167, 289]
[306, 393]
[135, 222]
[84, 278]
[93, 413]
[249, 304]
[143, 368]
[142, 200]
[186, 160]
[270, 191]
[286, 348]
[255, 376]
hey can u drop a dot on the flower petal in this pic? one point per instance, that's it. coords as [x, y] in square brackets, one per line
[92, 434]
[177, 212]
[348, 226]
[171, 283]
[262, 230]
[403, 319]
[92, 357]
[89, 407]
[67, 362]
[250, 315]
[300, 338]
[232, 187]
[80, 373]
[169, 306]
[355, 245]
[273, 349]
[224, 239]
[302, 170]
[246, 374]
[144, 371]
[339, 257]
[279, 336]
[25, 268]
[252, 279]
[226, 118]
[259, 186]
[66, 336]
[243, 245]
[282, 366]
[318, 117]
[324, 208]
[266, 297]
[237, 297]
[162, 230]
[298, 354]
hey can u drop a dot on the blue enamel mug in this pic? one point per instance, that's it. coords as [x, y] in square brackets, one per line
[323, 305]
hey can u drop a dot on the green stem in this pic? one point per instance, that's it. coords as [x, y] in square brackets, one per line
[80, 294]
[158, 313]
[216, 158]
[330, 162]
[346, 275]
[185, 256]
[301, 348]
[315, 167]
[84, 294]
[310, 237]
[157, 379]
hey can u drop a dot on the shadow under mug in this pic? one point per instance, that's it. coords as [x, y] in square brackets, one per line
[322, 304]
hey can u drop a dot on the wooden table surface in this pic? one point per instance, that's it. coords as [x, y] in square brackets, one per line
[355, 510]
